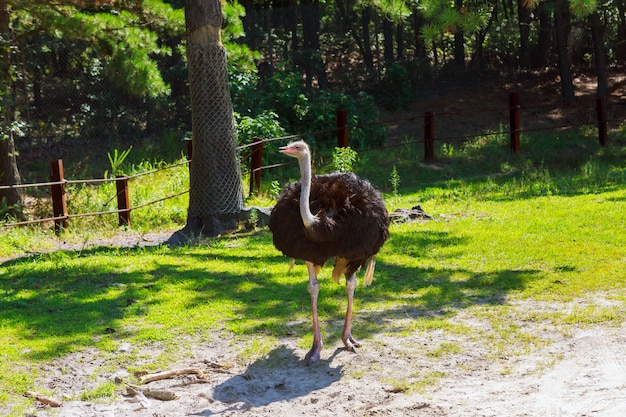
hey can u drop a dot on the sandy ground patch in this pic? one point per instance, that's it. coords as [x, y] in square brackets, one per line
[581, 372]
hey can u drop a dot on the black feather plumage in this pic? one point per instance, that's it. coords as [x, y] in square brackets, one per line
[352, 221]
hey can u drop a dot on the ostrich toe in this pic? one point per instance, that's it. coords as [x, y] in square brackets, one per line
[314, 354]
[350, 343]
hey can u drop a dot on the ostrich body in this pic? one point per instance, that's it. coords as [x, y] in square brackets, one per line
[329, 216]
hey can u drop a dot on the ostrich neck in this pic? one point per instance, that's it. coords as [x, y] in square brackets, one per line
[305, 180]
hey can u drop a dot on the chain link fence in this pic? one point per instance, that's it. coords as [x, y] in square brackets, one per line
[215, 185]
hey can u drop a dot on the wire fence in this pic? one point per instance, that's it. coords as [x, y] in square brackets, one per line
[254, 151]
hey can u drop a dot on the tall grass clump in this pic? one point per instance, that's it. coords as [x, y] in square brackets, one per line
[148, 182]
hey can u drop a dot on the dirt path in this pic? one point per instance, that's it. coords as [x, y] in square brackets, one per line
[582, 373]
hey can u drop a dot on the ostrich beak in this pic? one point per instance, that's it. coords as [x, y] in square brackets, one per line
[287, 150]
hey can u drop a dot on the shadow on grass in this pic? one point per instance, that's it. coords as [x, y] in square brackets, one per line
[69, 299]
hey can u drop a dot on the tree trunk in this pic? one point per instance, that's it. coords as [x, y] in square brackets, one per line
[215, 190]
[524, 16]
[540, 57]
[477, 59]
[313, 65]
[400, 42]
[9, 174]
[459, 40]
[562, 26]
[620, 50]
[366, 19]
[251, 23]
[418, 40]
[349, 23]
[599, 54]
[292, 25]
[388, 40]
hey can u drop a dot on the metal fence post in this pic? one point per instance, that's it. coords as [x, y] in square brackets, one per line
[256, 162]
[57, 192]
[123, 200]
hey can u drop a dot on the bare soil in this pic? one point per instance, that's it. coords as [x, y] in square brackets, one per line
[582, 373]
[573, 372]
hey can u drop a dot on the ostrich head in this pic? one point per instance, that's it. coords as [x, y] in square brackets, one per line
[297, 150]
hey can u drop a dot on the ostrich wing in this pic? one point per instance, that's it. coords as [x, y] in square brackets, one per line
[352, 220]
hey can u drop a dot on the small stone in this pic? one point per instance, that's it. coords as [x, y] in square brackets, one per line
[120, 376]
[124, 347]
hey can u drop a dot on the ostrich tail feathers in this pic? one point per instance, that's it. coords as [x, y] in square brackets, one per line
[369, 272]
[340, 268]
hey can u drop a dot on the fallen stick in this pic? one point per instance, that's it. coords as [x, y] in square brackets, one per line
[159, 394]
[43, 399]
[170, 374]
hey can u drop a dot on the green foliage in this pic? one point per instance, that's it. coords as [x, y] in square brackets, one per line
[264, 125]
[442, 17]
[116, 160]
[273, 106]
[241, 60]
[394, 180]
[582, 8]
[126, 49]
[99, 69]
[275, 189]
[503, 40]
[105, 71]
[344, 159]
[394, 10]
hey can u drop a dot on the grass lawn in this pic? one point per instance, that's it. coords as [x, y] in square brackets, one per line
[541, 235]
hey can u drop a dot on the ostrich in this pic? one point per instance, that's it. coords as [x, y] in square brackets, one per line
[324, 216]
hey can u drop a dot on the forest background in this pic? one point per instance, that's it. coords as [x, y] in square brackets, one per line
[107, 74]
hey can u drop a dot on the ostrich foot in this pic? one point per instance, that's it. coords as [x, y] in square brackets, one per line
[314, 354]
[350, 343]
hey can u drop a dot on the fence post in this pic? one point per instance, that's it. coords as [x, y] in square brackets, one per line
[123, 200]
[342, 131]
[601, 113]
[256, 162]
[57, 192]
[429, 137]
[514, 121]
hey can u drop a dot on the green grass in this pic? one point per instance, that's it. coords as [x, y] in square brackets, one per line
[507, 230]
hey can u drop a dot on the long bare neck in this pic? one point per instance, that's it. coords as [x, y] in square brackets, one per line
[305, 180]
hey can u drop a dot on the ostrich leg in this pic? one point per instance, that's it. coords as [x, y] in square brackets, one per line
[314, 354]
[347, 338]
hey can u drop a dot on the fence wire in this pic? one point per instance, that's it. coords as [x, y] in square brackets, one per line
[233, 189]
